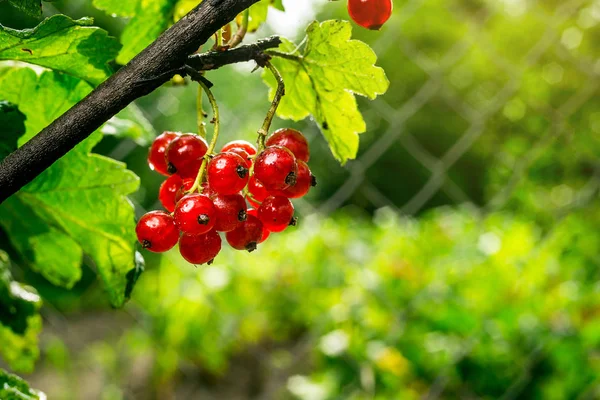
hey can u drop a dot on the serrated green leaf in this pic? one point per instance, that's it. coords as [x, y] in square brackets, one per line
[118, 8]
[82, 195]
[20, 322]
[13, 387]
[150, 20]
[62, 44]
[323, 80]
[12, 126]
[132, 124]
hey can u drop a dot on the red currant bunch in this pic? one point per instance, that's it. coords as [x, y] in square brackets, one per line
[207, 193]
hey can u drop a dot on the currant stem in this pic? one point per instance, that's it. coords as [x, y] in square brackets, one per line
[216, 119]
[288, 56]
[264, 130]
[219, 39]
[200, 113]
[241, 32]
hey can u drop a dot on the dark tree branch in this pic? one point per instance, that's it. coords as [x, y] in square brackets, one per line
[217, 59]
[146, 72]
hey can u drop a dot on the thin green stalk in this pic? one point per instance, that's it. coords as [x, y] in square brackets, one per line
[287, 56]
[264, 130]
[219, 39]
[241, 32]
[200, 113]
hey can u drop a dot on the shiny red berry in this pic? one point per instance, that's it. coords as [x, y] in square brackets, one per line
[292, 140]
[200, 249]
[257, 192]
[276, 213]
[156, 155]
[168, 192]
[370, 14]
[156, 231]
[183, 189]
[265, 231]
[184, 155]
[247, 235]
[227, 173]
[231, 211]
[195, 214]
[304, 182]
[276, 168]
[240, 144]
[242, 153]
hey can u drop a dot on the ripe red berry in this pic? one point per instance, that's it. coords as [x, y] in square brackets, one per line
[208, 191]
[370, 14]
[265, 231]
[292, 140]
[247, 235]
[185, 186]
[242, 153]
[227, 173]
[195, 214]
[276, 168]
[276, 213]
[231, 211]
[240, 144]
[200, 249]
[257, 191]
[156, 155]
[156, 231]
[304, 182]
[184, 155]
[168, 192]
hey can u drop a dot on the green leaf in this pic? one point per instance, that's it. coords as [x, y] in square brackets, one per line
[132, 124]
[80, 201]
[62, 44]
[12, 125]
[323, 80]
[13, 387]
[118, 8]
[150, 20]
[260, 11]
[32, 8]
[183, 7]
[20, 322]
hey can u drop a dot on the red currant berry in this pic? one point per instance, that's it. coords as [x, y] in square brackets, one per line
[240, 144]
[195, 214]
[242, 153]
[276, 168]
[292, 140]
[156, 231]
[184, 155]
[208, 191]
[156, 155]
[183, 189]
[168, 192]
[304, 182]
[370, 14]
[257, 191]
[276, 213]
[227, 173]
[200, 249]
[265, 231]
[247, 235]
[231, 211]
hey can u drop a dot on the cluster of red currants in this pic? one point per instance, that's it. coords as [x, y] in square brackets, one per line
[370, 14]
[207, 194]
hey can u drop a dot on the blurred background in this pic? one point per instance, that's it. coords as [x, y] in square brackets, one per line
[458, 257]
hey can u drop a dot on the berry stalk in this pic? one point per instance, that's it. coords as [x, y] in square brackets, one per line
[200, 113]
[241, 32]
[264, 130]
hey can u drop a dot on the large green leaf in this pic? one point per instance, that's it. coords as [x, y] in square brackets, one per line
[79, 204]
[117, 7]
[151, 19]
[14, 388]
[12, 125]
[323, 80]
[32, 8]
[62, 44]
[20, 322]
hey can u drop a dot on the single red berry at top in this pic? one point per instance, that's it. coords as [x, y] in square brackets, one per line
[195, 214]
[156, 155]
[304, 182]
[265, 231]
[292, 140]
[168, 192]
[276, 213]
[242, 153]
[231, 211]
[183, 189]
[247, 235]
[184, 155]
[227, 173]
[240, 144]
[257, 192]
[200, 249]
[156, 231]
[370, 14]
[276, 168]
